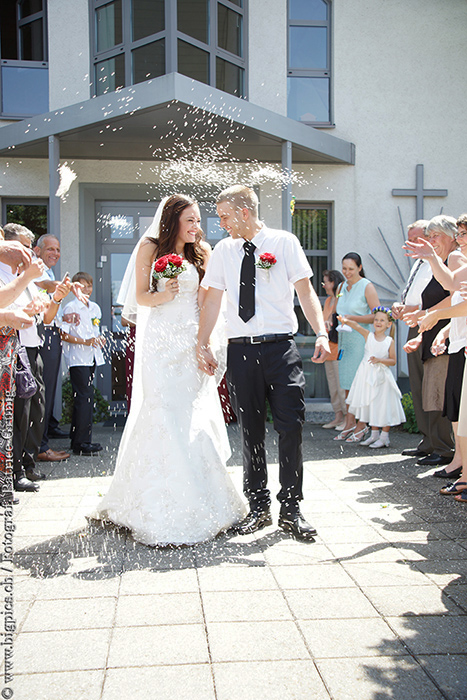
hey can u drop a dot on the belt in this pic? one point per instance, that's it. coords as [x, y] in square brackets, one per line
[256, 339]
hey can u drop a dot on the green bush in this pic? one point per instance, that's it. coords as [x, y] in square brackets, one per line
[101, 406]
[410, 424]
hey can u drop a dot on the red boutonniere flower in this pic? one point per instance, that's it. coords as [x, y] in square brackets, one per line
[266, 261]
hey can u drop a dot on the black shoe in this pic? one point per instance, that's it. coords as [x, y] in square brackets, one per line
[24, 484]
[433, 460]
[255, 520]
[87, 448]
[8, 499]
[298, 526]
[443, 474]
[33, 475]
[414, 452]
[56, 433]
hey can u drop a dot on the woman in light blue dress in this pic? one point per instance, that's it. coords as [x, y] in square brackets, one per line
[356, 298]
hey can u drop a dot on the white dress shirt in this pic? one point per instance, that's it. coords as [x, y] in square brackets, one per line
[274, 291]
[418, 284]
[89, 327]
[29, 337]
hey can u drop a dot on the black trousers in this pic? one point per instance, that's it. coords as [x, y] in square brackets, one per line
[271, 371]
[51, 353]
[83, 394]
[28, 420]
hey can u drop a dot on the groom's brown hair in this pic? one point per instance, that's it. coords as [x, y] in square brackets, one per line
[241, 197]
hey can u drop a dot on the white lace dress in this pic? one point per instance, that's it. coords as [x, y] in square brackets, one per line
[374, 396]
[170, 484]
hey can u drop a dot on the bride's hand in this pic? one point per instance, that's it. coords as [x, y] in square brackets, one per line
[172, 288]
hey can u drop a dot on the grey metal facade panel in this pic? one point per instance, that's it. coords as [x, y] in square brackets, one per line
[139, 121]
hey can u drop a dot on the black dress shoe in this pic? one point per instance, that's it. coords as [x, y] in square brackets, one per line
[255, 520]
[56, 433]
[298, 526]
[443, 474]
[414, 452]
[34, 475]
[433, 460]
[87, 448]
[24, 484]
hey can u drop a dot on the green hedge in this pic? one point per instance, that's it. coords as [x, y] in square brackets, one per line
[410, 424]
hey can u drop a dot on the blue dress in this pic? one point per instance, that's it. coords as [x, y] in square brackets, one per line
[352, 303]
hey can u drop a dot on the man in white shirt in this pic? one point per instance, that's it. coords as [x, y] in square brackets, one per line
[435, 428]
[263, 362]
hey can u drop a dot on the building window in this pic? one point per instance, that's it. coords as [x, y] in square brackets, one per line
[136, 40]
[309, 61]
[312, 226]
[24, 75]
[32, 213]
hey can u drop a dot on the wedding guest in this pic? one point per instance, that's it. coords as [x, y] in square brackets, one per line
[435, 432]
[356, 298]
[29, 412]
[10, 322]
[440, 233]
[82, 349]
[455, 331]
[331, 280]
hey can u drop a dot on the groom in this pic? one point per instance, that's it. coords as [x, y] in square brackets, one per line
[263, 361]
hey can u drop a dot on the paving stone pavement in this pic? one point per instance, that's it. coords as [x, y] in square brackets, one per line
[374, 609]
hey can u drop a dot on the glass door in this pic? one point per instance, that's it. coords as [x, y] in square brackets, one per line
[119, 226]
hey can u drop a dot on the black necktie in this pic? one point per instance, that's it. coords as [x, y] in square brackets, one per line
[246, 300]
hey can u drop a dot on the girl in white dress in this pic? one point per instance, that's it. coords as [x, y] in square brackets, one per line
[170, 484]
[374, 397]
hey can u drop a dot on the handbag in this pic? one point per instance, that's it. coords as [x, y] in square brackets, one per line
[26, 385]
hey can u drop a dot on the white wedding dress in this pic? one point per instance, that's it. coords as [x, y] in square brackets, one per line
[170, 484]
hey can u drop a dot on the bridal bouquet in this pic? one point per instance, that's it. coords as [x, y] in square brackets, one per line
[168, 266]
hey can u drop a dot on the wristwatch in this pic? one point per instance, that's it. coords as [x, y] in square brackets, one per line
[54, 300]
[322, 334]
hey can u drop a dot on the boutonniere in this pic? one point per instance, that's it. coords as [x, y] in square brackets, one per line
[95, 321]
[266, 261]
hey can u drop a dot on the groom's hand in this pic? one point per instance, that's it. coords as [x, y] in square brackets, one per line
[206, 360]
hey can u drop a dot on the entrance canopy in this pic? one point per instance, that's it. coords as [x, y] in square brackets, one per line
[145, 121]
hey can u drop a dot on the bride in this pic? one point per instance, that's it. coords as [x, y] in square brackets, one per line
[170, 484]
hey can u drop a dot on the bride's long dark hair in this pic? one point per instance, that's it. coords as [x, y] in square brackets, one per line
[168, 232]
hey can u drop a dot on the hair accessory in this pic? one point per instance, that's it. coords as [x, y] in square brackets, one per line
[384, 310]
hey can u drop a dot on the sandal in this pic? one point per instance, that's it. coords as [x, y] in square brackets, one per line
[344, 434]
[356, 437]
[451, 488]
[462, 498]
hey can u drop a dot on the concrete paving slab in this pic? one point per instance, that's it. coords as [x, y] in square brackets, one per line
[246, 578]
[51, 686]
[269, 680]
[188, 682]
[70, 614]
[245, 606]
[159, 609]
[431, 634]
[400, 601]
[329, 603]
[70, 650]
[350, 638]
[449, 671]
[395, 677]
[158, 645]
[391, 573]
[255, 641]
[313, 576]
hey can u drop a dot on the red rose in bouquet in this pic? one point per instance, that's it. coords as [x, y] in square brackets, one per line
[168, 266]
[266, 261]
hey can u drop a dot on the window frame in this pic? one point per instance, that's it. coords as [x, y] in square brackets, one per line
[171, 35]
[22, 62]
[314, 73]
[24, 201]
